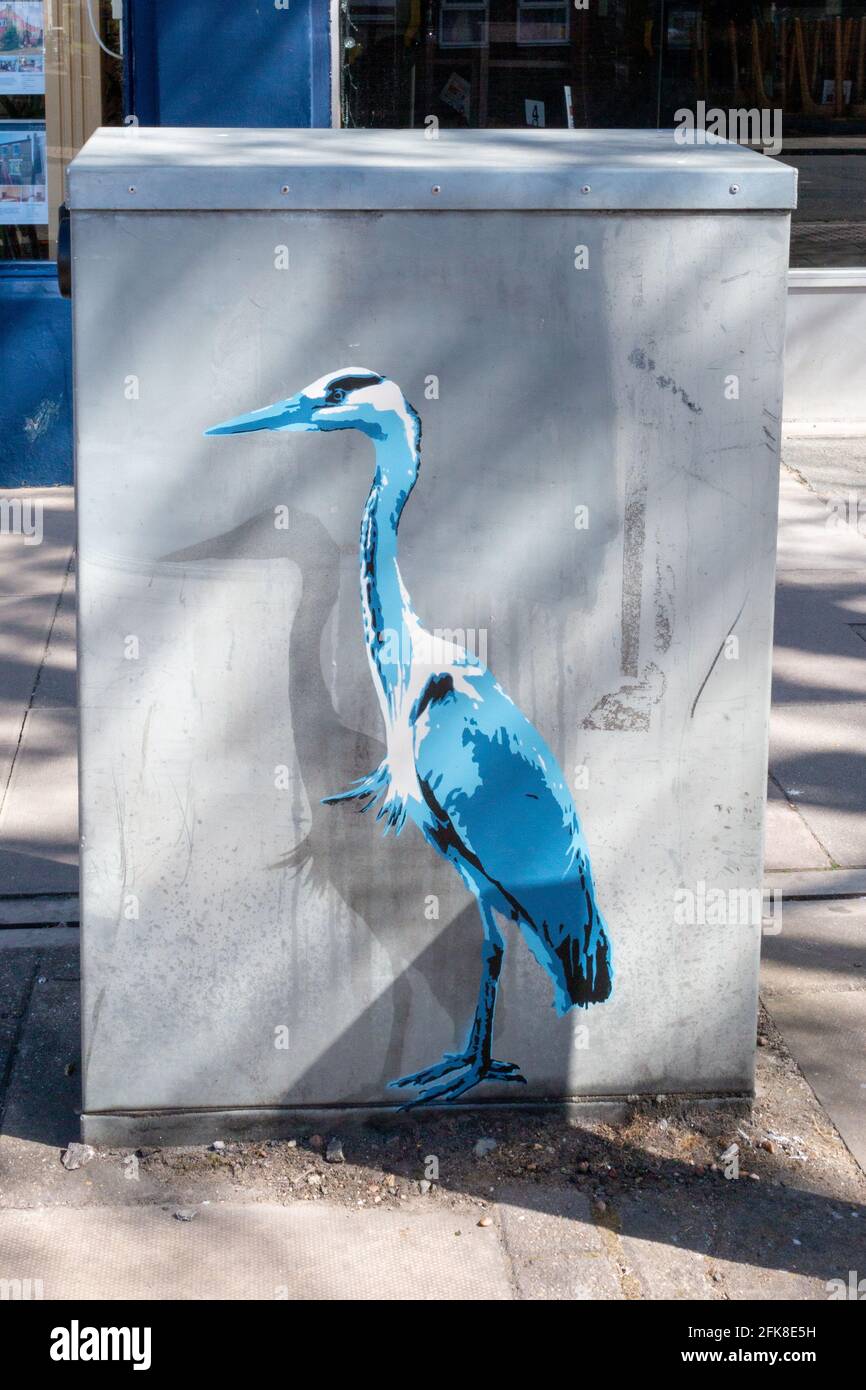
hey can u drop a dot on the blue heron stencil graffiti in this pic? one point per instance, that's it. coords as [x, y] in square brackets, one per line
[462, 762]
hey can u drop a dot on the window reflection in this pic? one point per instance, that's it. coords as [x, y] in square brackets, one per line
[23, 177]
[56, 85]
[632, 63]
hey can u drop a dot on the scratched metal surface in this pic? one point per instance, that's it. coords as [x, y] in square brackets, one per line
[259, 908]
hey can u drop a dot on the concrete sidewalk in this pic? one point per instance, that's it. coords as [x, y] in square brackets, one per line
[814, 971]
[817, 791]
[547, 1207]
[618, 1226]
[38, 794]
[324, 1252]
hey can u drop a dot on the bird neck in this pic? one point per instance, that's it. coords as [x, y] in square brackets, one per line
[387, 612]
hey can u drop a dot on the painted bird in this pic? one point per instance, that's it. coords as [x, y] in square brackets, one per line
[462, 761]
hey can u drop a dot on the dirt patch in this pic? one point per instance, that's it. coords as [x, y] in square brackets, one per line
[784, 1140]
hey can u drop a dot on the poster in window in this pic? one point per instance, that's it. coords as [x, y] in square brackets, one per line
[457, 93]
[22, 48]
[23, 200]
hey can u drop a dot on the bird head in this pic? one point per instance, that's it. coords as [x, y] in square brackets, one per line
[353, 398]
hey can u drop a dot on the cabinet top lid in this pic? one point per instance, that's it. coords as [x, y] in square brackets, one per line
[179, 169]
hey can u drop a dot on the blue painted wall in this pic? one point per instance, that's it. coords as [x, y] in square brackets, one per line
[35, 378]
[189, 62]
[247, 63]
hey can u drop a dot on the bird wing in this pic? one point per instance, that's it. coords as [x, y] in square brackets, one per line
[498, 798]
[493, 776]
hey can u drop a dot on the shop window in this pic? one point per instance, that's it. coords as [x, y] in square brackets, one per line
[59, 80]
[797, 72]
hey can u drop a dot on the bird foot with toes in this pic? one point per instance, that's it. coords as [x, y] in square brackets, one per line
[473, 1069]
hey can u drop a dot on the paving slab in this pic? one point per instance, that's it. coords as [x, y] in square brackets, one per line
[665, 1245]
[830, 467]
[41, 909]
[8, 1039]
[42, 1103]
[37, 671]
[17, 970]
[821, 947]
[558, 1252]
[809, 883]
[730, 1240]
[39, 938]
[788, 842]
[25, 626]
[644, 1248]
[25, 629]
[813, 985]
[787, 1246]
[39, 819]
[310, 1251]
[829, 1045]
[29, 565]
[813, 533]
[818, 717]
[57, 684]
[33, 576]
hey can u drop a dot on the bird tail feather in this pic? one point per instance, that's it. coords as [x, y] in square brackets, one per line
[576, 957]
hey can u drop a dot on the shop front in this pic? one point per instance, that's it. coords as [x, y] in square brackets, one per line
[69, 66]
[60, 77]
[787, 78]
[790, 79]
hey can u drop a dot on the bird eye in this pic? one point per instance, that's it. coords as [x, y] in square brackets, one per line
[335, 396]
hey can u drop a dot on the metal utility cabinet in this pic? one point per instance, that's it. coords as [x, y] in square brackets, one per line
[590, 327]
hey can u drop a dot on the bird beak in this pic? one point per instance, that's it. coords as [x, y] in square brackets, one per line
[293, 414]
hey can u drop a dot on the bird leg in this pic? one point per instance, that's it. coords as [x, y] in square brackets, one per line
[475, 1063]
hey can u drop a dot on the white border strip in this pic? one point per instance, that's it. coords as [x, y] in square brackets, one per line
[336, 64]
[798, 430]
[830, 278]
